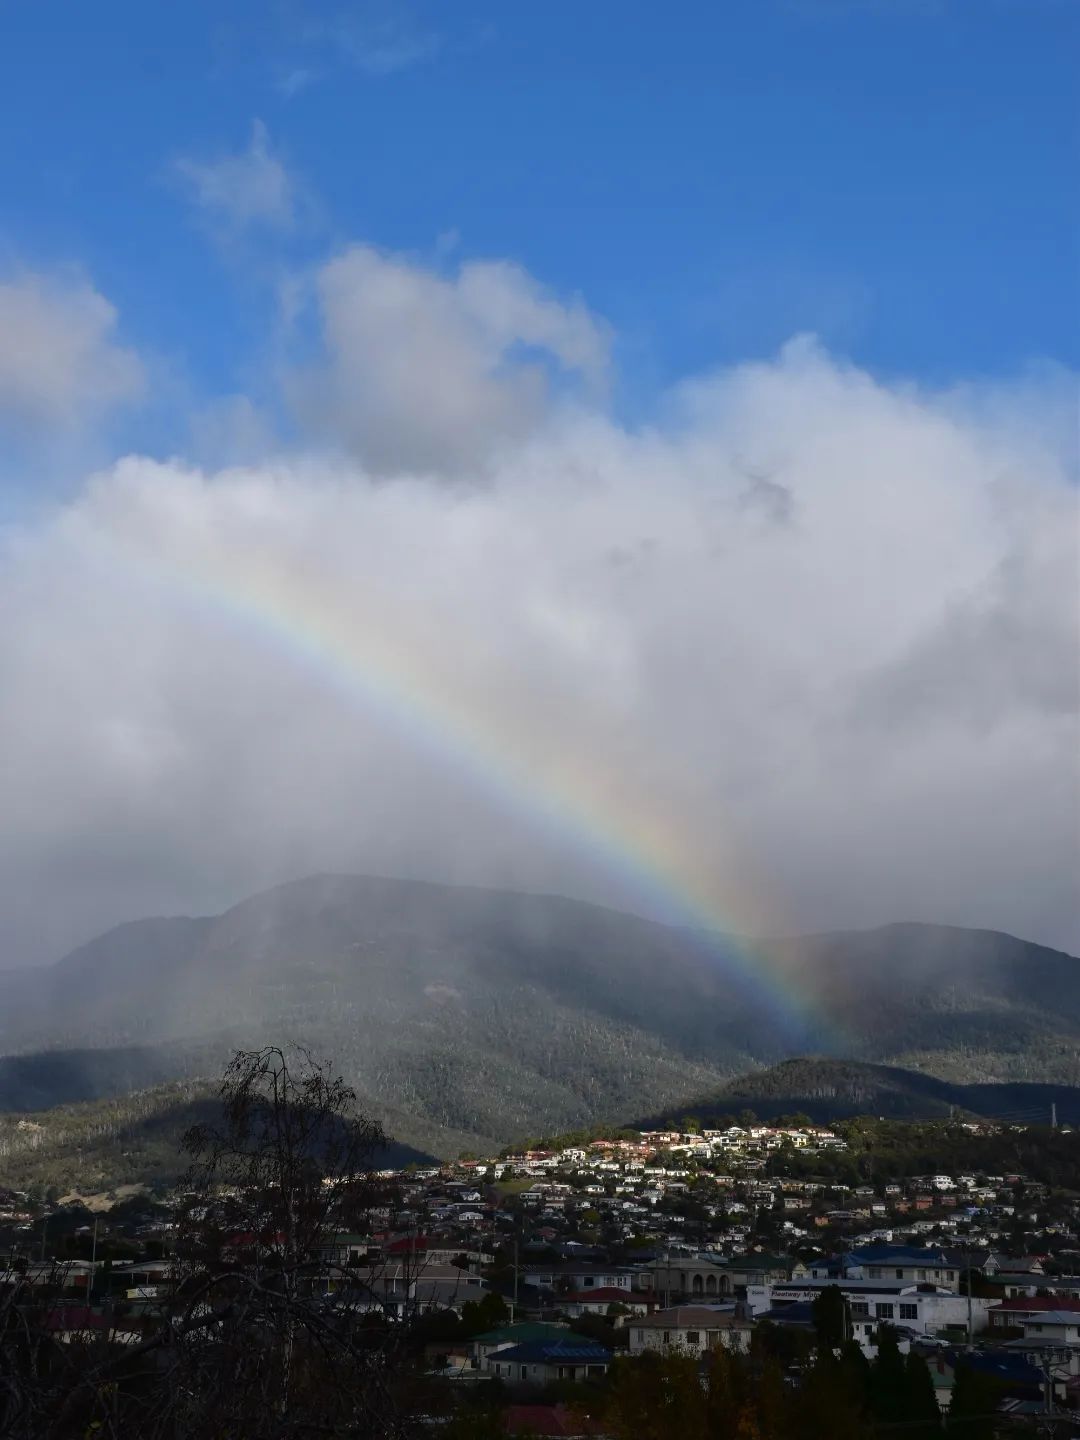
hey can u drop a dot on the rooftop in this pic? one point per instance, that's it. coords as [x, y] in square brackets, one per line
[586, 1352]
[698, 1317]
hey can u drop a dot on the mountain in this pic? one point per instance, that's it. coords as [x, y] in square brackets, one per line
[132, 1139]
[490, 1014]
[828, 1090]
[99, 1145]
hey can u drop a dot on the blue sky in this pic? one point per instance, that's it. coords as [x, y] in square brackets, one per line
[898, 177]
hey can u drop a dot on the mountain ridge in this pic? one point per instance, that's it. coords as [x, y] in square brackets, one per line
[491, 1013]
[100, 1144]
[829, 1089]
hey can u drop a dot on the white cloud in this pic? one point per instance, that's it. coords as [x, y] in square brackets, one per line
[294, 81]
[430, 373]
[252, 188]
[60, 363]
[378, 41]
[814, 640]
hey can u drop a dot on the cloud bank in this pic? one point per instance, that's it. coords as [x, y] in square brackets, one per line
[433, 374]
[811, 637]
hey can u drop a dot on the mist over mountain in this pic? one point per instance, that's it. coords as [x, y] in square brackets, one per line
[481, 1015]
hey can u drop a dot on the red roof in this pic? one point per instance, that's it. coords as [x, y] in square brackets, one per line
[1029, 1304]
[548, 1420]
[408, 1245]
[244, 1238]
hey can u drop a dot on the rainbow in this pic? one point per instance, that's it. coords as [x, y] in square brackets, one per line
[411, 688]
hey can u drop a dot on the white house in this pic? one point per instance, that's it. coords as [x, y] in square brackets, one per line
[599, 1301]
[578, 1277]
[692, 1329]
[1053, 1327]
[921, 1307]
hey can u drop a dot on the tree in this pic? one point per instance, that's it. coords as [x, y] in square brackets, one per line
[923, 1412]
[974, 1400]
[478, 1316]
[829, 1406]
[655, 1397]
[888, 1380]
[771, 1402]
[831, 1317]
[242, 1346]
[286, 1163]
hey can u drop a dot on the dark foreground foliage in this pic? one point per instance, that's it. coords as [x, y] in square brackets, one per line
[242, 1346]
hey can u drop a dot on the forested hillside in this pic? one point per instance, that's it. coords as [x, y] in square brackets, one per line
[827, 1090]
[481, 1015]
[132, 1139]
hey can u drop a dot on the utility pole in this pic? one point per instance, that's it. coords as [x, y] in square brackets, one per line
[93, 1265]
[1053, 1115]
[513, 1311]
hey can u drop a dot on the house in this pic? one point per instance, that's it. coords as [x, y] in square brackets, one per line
[998, 1265]
[1053, 1327]
[909, 1263]
[713, 1275]
[599, 1302]
[541, 1363]
[1013, 1373]
[1026, 1286]
[924, 1308]
[400, 1289]
[693, 1329]
[578, 1276]
[524, 1332]
[1017, 1310]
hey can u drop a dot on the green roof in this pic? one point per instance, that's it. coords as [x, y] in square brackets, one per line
[528, 1332]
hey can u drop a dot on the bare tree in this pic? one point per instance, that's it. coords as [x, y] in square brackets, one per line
[250, 1342]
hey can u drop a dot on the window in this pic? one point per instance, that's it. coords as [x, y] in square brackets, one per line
[909, 1312]
[589, 1281]
[641, 1337]
[883, 1311]
[524, 1372]
[874, 1272]
[860, 1307]
[899, 1274]
[693, 1337]
[667, 1337]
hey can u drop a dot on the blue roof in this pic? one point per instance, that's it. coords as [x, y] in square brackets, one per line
[1002, 1364]
[882, 1254]
[799, 1312]
[541, 1354]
